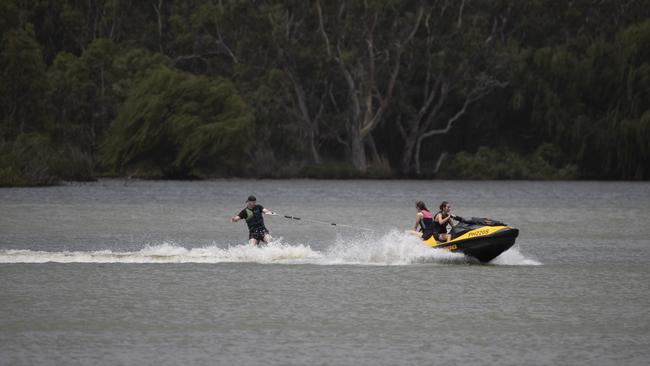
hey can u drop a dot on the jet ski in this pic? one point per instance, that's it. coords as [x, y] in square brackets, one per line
[480, 238]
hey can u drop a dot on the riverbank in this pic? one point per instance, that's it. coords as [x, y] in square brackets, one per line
[485, 164]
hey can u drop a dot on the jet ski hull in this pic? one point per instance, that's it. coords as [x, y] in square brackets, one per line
[483, 244]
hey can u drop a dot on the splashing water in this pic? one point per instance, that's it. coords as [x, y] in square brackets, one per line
[513, 257]
[394, 248]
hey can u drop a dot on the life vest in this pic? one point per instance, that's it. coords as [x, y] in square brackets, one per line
[440, 228]
[253, 217]
[427, 223]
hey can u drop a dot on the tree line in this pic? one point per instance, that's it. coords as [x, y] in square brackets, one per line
[466, 89]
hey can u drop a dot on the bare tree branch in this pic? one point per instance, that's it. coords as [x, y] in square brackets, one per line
[484, 86]
[158, 9]
[219, 41]
[460, 14]
[321, 27]
[439, 162]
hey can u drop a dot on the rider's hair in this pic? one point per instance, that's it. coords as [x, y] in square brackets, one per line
[421, 205]
[443, 204]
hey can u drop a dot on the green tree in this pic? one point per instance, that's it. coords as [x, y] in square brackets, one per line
[23, 106]
[175, 124]
[593, 101]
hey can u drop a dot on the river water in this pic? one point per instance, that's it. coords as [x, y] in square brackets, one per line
[146, 272]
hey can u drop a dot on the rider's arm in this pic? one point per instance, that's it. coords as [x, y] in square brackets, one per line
[418, 218]
[267, 211]
[237, 217]
[442, 221]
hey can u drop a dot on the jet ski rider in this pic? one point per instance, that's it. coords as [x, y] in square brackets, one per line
[424, 220]
[252, 213]
[440, 222]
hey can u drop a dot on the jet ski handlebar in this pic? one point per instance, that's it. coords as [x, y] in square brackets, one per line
[478, 221]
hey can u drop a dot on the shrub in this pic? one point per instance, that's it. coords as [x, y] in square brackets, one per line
[547, 162]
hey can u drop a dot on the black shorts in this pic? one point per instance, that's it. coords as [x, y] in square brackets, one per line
[427, 234]
[258, 234]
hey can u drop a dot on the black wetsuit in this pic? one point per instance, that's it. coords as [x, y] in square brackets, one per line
[427, 227]
[255, 222]
[439, 228]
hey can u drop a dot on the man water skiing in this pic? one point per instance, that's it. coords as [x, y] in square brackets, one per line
[252, 213]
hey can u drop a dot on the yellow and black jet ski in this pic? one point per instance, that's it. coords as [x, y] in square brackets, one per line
[479, 238]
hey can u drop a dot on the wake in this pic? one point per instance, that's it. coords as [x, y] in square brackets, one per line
[394, 248]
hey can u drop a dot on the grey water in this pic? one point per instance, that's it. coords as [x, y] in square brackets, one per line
[147, 272]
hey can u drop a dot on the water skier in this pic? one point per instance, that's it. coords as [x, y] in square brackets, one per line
[252, 213]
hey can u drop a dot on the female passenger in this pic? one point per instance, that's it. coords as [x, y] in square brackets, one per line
[440, 222]
[424, 220]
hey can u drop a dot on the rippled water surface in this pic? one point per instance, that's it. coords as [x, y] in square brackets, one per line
[153, 272]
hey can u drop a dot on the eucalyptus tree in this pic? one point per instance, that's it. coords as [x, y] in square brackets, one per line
[25, 120]
[306, 71]
[88, 89]
[595, 103]
[23, 104]
[366, 41]
[585, 87]
[457, 59]
[236, 40]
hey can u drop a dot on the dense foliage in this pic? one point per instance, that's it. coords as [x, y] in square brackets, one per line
[175, 124]
[467, 89]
